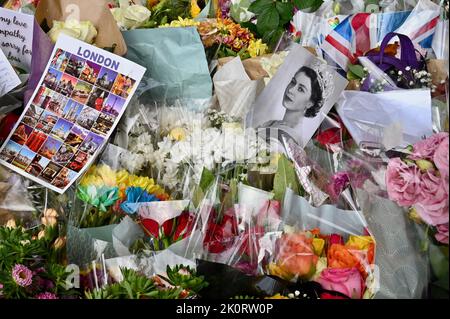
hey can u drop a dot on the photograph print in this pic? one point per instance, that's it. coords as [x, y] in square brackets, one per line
[32, 115]
[297, 98]
[37, 165]
[66, 85]
[90, 72]
[106, 78]
[87, 117]
[50, 147]
[113, 105]
[64, 154]
[61, 129]
[10, 151]
[81, 92]
[97, 98]
[60, 60]
[50, 172]
[123, 86]
[103, 124]
[52, 78]
[78, 161]
[43, 97]
[72, 110]
[47, 121]
[36, 140]
[57, 103]
[64, 177]
[76, 136]
[21, 134]
[24, 158]
[91, 143]
[74, 66]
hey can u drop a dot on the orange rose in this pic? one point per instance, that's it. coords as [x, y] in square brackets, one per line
[296, 255]
[339, 256]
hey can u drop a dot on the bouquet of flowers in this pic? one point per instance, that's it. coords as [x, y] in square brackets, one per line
[419, 180]
[32, 261]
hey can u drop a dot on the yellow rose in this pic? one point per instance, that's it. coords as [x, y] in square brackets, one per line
[275, 270]
[359, 242]
[318, 245]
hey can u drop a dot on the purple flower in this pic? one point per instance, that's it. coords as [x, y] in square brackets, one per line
[339, 182]
[46, 295]
[22, 275]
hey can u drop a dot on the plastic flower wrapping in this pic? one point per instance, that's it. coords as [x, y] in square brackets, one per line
[272, 150]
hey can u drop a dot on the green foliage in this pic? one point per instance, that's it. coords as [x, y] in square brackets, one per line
[186, 278]
[273, 16]
[166, 11]
[355, 72]
[285, 177]
[137, 286]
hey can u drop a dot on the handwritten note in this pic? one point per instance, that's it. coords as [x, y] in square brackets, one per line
[16, 37]
[8, 79]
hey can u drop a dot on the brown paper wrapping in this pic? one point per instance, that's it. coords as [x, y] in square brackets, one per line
[95, 11]
[253, 65]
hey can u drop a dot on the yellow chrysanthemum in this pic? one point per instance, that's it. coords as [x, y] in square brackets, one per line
[195, 9]
[178, 134]
[257, 48]
[107, 175]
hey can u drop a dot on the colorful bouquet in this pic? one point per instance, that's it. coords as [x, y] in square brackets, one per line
[337, 265]
[32, 261]
[419, 181]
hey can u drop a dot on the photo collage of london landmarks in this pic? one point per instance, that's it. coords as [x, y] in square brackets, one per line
[69, 118]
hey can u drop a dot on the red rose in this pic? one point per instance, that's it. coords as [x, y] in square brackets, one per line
[250, 241]
[151, 227]
[220, 237]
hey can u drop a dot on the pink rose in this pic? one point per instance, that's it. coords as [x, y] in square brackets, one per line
[344, 280]
[442, 234]
[426, 148]
[403, 182]
[432, 207]
[441, 156]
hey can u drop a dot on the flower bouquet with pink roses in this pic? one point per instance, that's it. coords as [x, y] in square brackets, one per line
[419, 181]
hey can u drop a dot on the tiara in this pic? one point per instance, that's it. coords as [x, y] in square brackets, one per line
[325, 78]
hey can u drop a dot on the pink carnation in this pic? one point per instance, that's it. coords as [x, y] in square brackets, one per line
[344, 280]
[22, 275]
[442, 234]
[426, 148]
[441, 157]
[403, 182]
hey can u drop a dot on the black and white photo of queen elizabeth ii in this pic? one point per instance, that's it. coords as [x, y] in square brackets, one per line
[297, 98]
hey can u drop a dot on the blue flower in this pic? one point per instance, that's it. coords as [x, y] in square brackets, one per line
[136, 196]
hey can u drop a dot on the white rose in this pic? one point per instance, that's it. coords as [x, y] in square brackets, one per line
[131, 17]
[81, 30]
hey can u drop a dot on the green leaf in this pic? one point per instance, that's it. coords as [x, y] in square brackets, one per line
[357, 70]
[259, 6]
[268, 20]
[312, 5]
[206, 179]
[285, 10]
[273, 37]
[285, 177]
